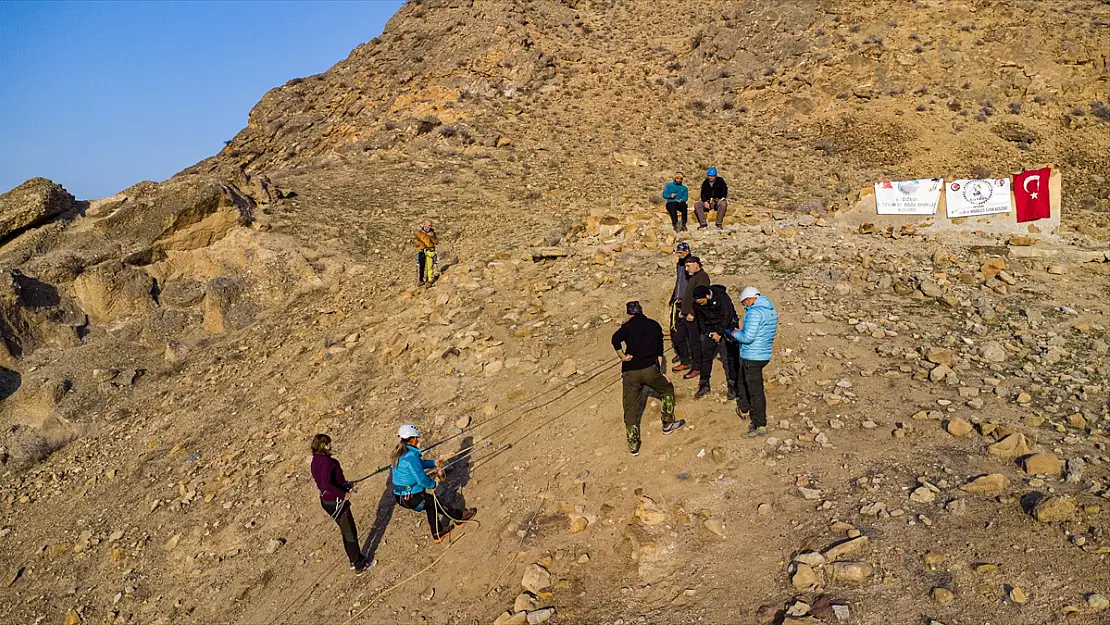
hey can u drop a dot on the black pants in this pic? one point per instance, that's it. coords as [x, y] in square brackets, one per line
[433, 508]
[681, 331]
[340, 510]
[674, 209]
[749, 391]
[730, 357]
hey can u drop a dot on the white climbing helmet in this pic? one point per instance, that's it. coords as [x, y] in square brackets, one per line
[407, 431]
[749, 291]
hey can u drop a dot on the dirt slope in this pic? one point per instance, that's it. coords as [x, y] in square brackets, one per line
[170, 351]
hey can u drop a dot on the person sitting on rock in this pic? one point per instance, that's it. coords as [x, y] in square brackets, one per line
[426, 242]
[696, 277]
[334, 490]
[414, 490]
[716, 317]
[642, 365]
[756, 338]
[676, 194]
[714, 197]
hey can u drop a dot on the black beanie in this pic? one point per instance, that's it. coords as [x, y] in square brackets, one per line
[701, 291]
[634, 308]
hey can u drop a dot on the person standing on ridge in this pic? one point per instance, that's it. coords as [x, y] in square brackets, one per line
[334, 490]
[414, 490]
[426, 242]
[756, 339]
[714, 197]
[680, 328]
[642, 365]
[716, 319]
[676, 194]
[696, 277]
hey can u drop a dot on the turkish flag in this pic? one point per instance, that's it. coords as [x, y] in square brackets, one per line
[1031, 194]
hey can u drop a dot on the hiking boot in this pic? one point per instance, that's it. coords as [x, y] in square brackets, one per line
[692, 374]
[673, 426]
[743, 415]
[702, 227]
[444, 533]
[468, 514]
[720, 227]
[676, 359]
[364, 567]
[632, 434]
[731, 393]
[683, 229]
[703, 390]
[756, 432]
[682, 367]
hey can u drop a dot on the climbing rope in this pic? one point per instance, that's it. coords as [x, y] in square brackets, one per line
[454, 541]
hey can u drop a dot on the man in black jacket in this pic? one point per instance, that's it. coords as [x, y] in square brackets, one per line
[681, 330]
[642, 365]
[716, 317]
[695, 277]
[714, 197]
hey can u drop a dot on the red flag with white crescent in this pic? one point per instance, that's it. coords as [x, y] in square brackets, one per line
[1031, 194]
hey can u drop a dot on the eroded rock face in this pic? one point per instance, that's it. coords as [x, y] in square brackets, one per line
[112, 290]
[32, 203]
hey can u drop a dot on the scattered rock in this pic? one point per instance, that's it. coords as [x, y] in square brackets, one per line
[993, 352]
[1013, 446]
[959, 427]
[715, 525]
[1018, 596]
[804, 578]
[525, 602]
[649, 513]
[992, 484]
[854, 572]
[1097, 602]
[540, 616]
[845, 548]
[943, 596]
[536, 578]
[1055, 509]
[1042, 464]
[922, 494]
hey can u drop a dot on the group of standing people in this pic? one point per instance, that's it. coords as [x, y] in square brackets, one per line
[704, 326]
[714, 197]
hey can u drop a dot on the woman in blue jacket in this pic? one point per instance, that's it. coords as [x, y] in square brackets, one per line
[676, 194]
[414, 490]
[756, 338]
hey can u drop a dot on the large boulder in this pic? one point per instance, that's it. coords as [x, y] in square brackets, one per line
[32, 203]
[112, 290]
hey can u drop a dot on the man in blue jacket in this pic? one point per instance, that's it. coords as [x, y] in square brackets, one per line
[676, 194]
[756, 339]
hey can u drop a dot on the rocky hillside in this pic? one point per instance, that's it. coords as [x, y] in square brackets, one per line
[939, 404]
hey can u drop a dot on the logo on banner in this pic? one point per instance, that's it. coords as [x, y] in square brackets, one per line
[966, 198]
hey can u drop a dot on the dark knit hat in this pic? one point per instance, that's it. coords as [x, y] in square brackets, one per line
[691, 259]
[701, 291]
[634, 308]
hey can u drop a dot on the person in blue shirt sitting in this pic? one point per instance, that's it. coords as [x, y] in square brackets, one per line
[756, 338]
[415, 490]
[676, 194]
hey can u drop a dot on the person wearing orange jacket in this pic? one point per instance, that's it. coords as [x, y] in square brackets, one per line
[426, 242]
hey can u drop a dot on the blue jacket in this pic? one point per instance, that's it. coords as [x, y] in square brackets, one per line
[681, 193]
[757, 335]
[409, 476]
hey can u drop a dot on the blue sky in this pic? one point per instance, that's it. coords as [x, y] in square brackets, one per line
[98, 96]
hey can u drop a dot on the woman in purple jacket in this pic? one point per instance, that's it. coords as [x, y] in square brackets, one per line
[334, 489]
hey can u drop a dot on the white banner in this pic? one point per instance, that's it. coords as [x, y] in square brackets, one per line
[908, 197]
[967, 198]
